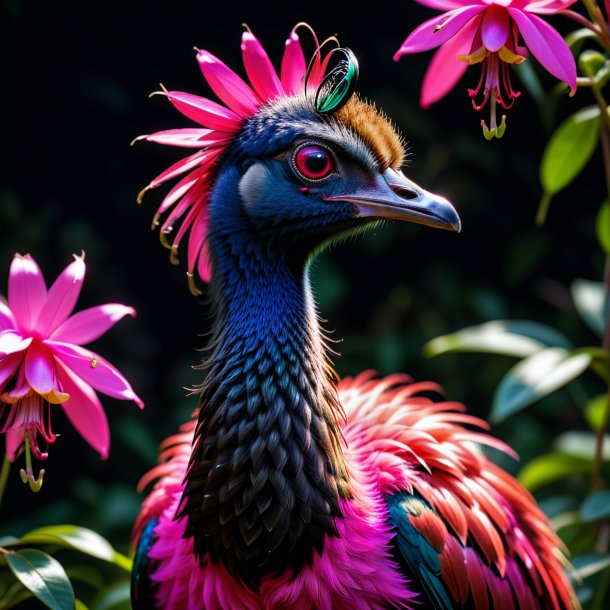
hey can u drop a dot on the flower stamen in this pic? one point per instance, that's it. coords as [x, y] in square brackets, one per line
[495, 74]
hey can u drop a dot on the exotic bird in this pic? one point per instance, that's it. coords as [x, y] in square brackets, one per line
[289, 488]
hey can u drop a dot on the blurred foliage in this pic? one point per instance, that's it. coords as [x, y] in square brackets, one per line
[77, 79]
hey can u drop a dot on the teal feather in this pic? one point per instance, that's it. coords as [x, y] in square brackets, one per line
[141, 587]
[339, 84]
[420, 557]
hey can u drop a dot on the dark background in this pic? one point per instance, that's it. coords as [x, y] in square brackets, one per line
[75, 84]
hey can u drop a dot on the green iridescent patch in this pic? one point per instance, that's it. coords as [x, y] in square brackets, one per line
[339, 83]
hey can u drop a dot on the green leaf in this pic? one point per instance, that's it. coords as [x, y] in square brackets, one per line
[7, 540]
[552, 467]
[577, 37]
[596, 506]
[43, 576]
[569, 149]
[80, 605]
[591, 300]
[535, 377]
[581, 444]
[78, 538]
[595, 412]
[14, 595]
[517, 338]
[602, 227]
[590, 563]
[116, 597]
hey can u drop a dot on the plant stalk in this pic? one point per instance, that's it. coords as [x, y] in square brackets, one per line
[4, 472]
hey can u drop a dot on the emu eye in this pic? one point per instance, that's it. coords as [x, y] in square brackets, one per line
[312, 162]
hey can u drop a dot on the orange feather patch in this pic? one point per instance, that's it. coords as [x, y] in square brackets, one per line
[376, 130]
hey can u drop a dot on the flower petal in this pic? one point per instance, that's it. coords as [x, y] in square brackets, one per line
[14, 441]
[87, 325]
[294, 66]
[62, 297]
[227, 85]
[548, 7]
[8, 367]
[7, 320]
[85, 411]
[40, 373]
[194, 137]
[445, 5]
[549, 48]
[27, 291]
[94, 370]
[12, 342]
[495, 28]
[204, 111]
[438, 30]
[445, 69]
[259, 68]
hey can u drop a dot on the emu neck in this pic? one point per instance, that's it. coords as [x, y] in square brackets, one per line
[267, 468]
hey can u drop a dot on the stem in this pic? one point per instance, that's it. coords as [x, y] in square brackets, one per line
[595, 15]
[543, 208]
[599, 29]
[600, 593]
[6, 467]
[597, 481]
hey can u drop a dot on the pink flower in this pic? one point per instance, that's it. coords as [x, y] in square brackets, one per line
[487, 32]
[186, 203]
[43, 364]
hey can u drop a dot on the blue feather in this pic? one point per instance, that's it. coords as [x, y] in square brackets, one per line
[142, 595]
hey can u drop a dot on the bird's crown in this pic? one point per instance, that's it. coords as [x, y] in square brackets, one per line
[327, 81]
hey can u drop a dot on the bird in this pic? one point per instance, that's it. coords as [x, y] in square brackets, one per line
[290, 488]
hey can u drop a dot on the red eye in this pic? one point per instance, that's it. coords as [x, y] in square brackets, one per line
[313, 162]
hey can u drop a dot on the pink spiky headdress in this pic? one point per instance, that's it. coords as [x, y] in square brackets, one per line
[185, 206]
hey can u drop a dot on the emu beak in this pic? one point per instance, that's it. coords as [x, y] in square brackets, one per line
[394, 197]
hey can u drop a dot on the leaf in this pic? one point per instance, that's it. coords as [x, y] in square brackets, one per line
[591, 300]
[43, 576]
[577, 37]
[590, 563]
[78, 538]
[602, 227]
[535, 377]
[552, 467]
[596, 506]
[7, 541]
[518, 338]
[569, 149]
[14, 594]
[116, 597]
[581, 444]
[80, 605]
[595, 412]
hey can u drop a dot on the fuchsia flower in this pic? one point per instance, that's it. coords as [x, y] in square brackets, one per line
[487, 32]
[43, 364]
[188, 199]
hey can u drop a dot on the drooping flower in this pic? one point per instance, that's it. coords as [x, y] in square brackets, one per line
[487, 32]
[42, 363]
[188, 199]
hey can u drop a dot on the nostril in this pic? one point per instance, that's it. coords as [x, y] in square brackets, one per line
[404, 192]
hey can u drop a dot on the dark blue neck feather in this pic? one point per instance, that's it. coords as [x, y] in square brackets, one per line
[267, 468]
